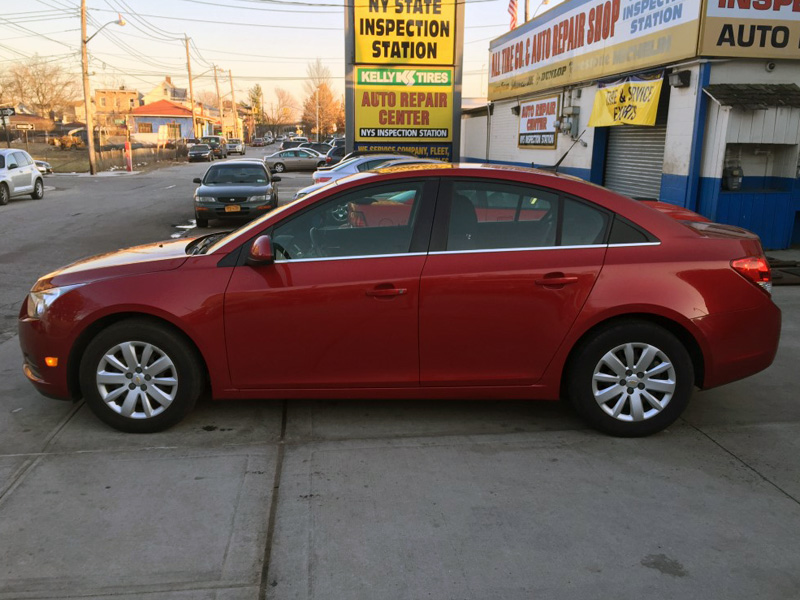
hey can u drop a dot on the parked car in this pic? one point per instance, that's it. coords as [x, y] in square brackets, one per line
[290, 144]
[44, 167]
[334, 155]
[318, 146]
[19, 176]
[453, 282]
[234, 189]
[257, 142]
[395, 162]
[280, 138]
[200, 152]
[269, 140]
[297, 159]
[352, 166]
[218, 144]
[191, 142]
[235, 145]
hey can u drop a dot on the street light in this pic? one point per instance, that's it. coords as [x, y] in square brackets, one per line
[86, 91]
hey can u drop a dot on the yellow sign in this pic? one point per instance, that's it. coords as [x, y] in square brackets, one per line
[758, 29]
[404, 104]
[632, 102]
[407, 32]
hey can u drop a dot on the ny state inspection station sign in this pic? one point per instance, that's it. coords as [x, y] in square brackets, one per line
[403, 76]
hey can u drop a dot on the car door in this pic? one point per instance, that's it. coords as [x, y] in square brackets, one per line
[21, 175]
[507, 275]
[308, 160]
[339, 307]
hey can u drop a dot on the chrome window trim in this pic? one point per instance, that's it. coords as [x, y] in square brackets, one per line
[493, 250]
[357, 257]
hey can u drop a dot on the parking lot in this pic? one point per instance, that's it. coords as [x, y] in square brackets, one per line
[368, 499]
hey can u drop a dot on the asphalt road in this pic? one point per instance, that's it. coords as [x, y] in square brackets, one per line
[375, 500]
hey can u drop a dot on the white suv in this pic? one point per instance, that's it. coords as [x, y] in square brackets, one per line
[19, 176]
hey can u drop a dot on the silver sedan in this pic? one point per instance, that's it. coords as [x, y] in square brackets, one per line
[295, 159]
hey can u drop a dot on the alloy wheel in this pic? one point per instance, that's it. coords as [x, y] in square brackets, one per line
[137, 380]
[634, 382]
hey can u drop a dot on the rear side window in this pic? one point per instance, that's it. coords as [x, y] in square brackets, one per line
[491, 215]
[625, 232]
[582, 225]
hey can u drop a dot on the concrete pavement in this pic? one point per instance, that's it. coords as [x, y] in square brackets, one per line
[405, 500]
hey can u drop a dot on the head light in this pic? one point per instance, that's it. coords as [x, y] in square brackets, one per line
[40, 301]
[205, 199]
[261, 198]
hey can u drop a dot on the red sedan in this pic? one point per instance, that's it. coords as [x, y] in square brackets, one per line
[443, 282]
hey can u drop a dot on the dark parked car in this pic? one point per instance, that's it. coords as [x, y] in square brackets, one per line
[236, 188]
[200, 152]
[289, 144]
[448, 282]
[318, 146]
[334, 155]
[257, 142]
[218, 144]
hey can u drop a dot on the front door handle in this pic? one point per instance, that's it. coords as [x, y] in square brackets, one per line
[556, 279]
[386, 292]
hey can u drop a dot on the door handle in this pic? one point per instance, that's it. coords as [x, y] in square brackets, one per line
[556, 279]
[390, 292]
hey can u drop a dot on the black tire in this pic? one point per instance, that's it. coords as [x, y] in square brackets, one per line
[38, 190]
[184, 368]
[200, 222]
[4, 194]
[279, 168]
[635, 387]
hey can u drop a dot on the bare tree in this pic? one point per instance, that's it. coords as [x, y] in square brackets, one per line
[318, 74]
[206, 97]
[282, 111]
[43, 85]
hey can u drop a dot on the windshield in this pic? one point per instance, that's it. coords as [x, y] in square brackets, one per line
[234, 141]
[231, 173]
[212, 141]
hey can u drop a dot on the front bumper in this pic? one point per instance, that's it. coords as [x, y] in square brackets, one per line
[218, 210]
[36, 343]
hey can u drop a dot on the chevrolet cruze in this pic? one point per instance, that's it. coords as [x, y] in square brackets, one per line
[431, 281]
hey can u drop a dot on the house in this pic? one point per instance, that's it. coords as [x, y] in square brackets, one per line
[174, 118]
[111, 106]
[166, 91]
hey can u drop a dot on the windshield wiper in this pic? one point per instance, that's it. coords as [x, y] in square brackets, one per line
[202, 244]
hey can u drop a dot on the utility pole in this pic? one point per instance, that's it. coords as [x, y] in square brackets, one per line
[219, 102]
[87, 103]
[233, 104]
[191, 88]
[527, 7]
[317, 95]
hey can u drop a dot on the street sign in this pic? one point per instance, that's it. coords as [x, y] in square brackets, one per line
[23, 126]
[7, 112]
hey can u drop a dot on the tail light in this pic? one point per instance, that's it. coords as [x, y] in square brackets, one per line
[323, 179]
[755, 269]
[328, 159]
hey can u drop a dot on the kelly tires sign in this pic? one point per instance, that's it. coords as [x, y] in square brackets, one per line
[408, 104]
[537, 123]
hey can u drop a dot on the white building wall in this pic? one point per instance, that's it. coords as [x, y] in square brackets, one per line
[473, 137]
[680, 124]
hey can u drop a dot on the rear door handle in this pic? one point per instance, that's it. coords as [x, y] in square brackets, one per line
[386, 292]
[556, 280]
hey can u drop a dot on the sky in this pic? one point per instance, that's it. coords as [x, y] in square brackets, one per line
[270, 42]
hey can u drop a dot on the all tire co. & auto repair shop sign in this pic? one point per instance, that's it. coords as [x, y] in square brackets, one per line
[403, 63]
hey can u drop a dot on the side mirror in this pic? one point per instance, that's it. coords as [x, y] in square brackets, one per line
[275, 179]
[197, 180]
[261, 252]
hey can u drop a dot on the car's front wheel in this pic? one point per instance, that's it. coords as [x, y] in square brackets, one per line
[200, 222]
[631, 379]
[38, 190]
[140, 377]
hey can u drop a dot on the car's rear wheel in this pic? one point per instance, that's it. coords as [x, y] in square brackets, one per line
[279, 168]
[4, 194]
[140, 377]
[200, 222]
[38, 190]
[631, 379]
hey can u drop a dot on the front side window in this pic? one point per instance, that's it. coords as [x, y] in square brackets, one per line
[375, 221]
[22, 159]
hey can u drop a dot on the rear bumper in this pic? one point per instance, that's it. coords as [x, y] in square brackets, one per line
[739, 344]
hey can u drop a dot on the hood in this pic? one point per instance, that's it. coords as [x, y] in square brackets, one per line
[160, 256]
[222, 190]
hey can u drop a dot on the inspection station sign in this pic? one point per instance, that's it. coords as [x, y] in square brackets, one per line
[582, 40]
[751, 28]
[398, 103]
[537, 123]
[408, 32]
[403, 71]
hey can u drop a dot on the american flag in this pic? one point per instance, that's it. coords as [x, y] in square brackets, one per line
[512, 10]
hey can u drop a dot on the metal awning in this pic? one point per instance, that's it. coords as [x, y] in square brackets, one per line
[751, 96]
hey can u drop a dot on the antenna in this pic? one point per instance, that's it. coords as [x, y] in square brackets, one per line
[563, 156]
